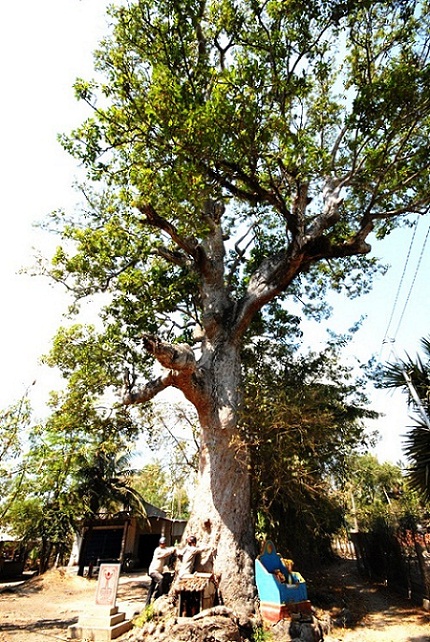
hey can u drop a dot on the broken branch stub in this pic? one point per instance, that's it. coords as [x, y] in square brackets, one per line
[178, 357]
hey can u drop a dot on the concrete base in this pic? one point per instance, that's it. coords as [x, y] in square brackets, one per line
[100, 624]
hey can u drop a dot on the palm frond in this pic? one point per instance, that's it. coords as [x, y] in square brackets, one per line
[417, 450]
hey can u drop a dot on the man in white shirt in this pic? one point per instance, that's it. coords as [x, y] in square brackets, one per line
[188, 555]
[155, 571]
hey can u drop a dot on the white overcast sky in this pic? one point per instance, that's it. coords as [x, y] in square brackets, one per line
[44, 46]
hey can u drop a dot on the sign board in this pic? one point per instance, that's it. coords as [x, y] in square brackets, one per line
[107, 584]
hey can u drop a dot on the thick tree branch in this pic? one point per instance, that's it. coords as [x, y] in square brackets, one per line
[275, 273]
[190, 246]
[179, 357]
[176, 358]
[182, 373]
[147, 392]
[176, 258]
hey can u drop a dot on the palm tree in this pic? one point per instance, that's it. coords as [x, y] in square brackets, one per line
[413, 376]
[103, 483]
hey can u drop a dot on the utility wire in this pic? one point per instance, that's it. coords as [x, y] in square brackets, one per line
[396, 300]
[413, 282]
[406, 375]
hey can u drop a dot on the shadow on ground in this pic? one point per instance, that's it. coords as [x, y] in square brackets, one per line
[350, 598]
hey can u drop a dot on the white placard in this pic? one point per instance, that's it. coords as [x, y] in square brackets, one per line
[107, 584]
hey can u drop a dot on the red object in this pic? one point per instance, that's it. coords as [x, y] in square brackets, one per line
[276, 612]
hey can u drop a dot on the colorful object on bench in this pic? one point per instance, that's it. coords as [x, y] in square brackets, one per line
[278, 599]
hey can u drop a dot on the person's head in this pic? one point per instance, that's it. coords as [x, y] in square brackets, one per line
[192, 540]
[162, 541]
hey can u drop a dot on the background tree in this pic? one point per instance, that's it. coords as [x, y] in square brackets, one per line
[374, 491]
[72, 466]
[159, 489]
[14, 424]
[102, 481]
[390, 521]
[241, 155]
[44, 525]
[303, 418]
[413, 377]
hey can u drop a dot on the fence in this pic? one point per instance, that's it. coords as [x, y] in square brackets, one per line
[401, 560]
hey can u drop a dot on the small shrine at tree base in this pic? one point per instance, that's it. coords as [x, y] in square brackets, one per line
[281, 590]
[196, 592]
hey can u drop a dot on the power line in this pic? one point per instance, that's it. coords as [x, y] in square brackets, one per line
[413, 282]
[401, 282]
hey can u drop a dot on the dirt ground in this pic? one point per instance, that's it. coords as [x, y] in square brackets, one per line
[367, 612]
[41, 608]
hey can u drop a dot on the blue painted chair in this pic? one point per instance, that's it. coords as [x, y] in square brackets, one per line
[278, 599]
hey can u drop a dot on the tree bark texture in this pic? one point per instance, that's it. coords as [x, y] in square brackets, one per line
[221, 515]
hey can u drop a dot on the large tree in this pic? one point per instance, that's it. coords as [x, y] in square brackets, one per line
[241, 154]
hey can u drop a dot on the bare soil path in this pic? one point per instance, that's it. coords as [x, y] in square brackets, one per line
[42, 608]
[369, 612]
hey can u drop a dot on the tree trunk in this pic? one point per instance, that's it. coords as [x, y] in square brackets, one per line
[45, 555]
[82, 551]
[221, 516]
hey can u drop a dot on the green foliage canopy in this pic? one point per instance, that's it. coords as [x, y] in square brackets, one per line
[303, 418]
[309, 122]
